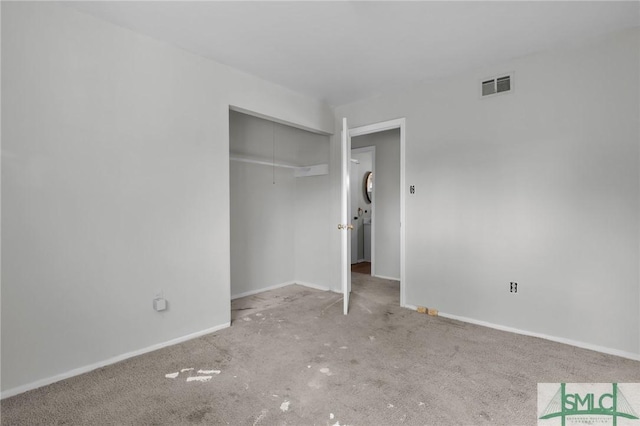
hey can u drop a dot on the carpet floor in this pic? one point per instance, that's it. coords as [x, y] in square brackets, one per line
[291, 358]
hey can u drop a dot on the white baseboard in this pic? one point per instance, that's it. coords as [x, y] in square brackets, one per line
[87, 368]
[385, 278]
[273, 287]
[261, 290]
[583, 345]
[314, 286]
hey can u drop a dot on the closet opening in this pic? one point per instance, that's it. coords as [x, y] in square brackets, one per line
[280, 201]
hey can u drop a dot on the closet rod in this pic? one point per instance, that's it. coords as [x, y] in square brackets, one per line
[263, 162]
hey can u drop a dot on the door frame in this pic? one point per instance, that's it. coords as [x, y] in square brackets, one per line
[399, 123]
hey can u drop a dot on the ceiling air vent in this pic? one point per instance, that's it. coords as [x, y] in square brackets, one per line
[496, 85]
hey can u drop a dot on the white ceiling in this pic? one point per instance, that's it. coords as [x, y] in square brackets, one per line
[341, 52]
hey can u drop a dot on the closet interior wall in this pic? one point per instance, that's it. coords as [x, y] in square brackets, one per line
[280, 223]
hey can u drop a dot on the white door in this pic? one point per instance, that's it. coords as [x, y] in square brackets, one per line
[345, 225]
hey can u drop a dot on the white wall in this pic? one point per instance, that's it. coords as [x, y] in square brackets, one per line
[313, 229]
[312, 221]
[262, 243]
[278, 231]
[539, 186]
[115, 183]
[387, 200]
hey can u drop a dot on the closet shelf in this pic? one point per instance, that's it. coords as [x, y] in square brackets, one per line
[263, 161]
[299, 171]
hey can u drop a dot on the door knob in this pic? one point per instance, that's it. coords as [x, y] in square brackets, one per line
[349, 226]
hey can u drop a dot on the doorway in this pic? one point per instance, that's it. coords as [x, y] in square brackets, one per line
[376, 215]
[392, 236]
[362, 174]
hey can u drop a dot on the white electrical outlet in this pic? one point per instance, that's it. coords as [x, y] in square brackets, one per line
[159, 304]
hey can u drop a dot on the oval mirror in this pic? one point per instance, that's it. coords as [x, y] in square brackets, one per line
[368, 186]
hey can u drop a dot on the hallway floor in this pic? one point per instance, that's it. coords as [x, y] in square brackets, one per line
[361, 268]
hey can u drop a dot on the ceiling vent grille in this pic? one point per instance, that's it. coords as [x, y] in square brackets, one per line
[497, 85]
